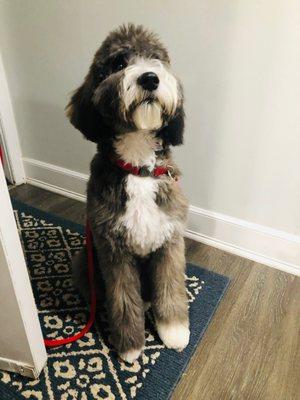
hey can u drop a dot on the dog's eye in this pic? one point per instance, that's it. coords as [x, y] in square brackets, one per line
[119, 63]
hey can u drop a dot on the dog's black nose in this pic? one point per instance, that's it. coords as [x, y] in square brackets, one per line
[148, 81]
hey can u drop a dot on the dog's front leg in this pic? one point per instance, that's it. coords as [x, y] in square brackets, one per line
[125, 307]
[169, 298]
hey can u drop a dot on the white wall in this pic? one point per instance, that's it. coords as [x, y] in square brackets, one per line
[240, 65]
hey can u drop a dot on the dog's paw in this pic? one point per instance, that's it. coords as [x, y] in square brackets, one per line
[147, 305]
[131, 355]
[175, 335]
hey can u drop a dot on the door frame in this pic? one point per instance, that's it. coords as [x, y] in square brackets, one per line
[22, 347]
[9, 134]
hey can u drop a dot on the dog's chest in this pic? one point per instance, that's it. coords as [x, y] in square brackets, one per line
[147, 226]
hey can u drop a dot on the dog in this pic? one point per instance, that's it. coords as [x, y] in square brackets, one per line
[131, 105]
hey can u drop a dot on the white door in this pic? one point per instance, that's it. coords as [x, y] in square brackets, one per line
[21, 344]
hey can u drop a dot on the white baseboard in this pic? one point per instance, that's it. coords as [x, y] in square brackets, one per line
[19, 367]
[262, 244]
[56, 179]
[259, 243]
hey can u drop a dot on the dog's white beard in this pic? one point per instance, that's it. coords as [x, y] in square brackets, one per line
[148, 116]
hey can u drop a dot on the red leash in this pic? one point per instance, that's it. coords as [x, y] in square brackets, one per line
[89, 247]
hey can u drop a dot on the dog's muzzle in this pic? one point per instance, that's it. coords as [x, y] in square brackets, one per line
[149, 81]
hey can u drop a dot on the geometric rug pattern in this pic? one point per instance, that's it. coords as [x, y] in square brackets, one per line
[90, 369]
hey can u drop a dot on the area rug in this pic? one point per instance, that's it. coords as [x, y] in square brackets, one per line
[90, 368]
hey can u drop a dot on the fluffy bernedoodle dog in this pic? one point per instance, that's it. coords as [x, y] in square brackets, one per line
[131, 105]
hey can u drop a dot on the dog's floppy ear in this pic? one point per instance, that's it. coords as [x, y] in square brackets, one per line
[172, 134]
[83, 114]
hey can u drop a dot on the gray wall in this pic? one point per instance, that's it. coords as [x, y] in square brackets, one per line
[240, 65]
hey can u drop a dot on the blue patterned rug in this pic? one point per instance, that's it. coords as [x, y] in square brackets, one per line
[89, 368]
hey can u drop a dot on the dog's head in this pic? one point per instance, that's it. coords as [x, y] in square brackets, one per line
[129, 87]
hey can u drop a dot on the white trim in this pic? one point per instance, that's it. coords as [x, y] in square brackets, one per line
[270, 262]
[9, 131]
[56, 189]
[19, 367]
[21, 339]
[56, 179]
[246, 224]
[259, 243]
[256, 242]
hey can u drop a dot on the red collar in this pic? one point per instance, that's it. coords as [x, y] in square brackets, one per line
[141, 171]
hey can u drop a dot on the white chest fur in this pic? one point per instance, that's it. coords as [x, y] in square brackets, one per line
[137, 148]
[147, 226]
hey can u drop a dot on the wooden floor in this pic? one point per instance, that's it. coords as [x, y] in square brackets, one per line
[251, 348]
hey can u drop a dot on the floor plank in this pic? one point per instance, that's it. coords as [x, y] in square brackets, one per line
[251, 349]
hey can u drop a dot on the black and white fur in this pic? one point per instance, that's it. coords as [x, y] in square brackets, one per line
[137, 221]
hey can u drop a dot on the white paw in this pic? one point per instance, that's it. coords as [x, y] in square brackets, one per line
[175, 335]
[131, 355]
